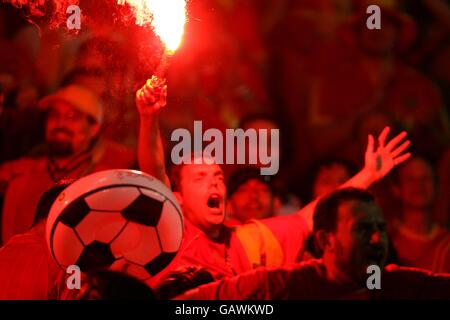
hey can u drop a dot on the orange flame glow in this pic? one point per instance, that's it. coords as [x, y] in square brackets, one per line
[167, 17]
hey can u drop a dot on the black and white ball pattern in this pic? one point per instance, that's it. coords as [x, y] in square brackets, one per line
[134, 228]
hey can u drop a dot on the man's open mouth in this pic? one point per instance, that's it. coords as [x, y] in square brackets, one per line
[214, 201]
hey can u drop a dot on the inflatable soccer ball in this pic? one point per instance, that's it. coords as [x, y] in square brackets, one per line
[122, 219]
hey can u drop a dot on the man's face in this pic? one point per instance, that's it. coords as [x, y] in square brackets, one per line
[68, 131]
[329, 178]
[203, 195]
[252, 200]
[416, 184]
[360, 239]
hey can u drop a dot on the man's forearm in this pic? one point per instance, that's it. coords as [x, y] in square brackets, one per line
[252, 285]
[150, 149]
[362, 180]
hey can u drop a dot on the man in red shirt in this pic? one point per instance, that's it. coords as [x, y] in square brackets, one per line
[350, 230]
[420, 242]
[27, 268]
[250, 196]
[201, 192]
[75, 148]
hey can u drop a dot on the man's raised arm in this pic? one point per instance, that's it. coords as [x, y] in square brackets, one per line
[378, 163]
[150, 99]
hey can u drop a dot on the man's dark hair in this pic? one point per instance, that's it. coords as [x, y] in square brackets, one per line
[243, 175]
[325, 214]
[175, 172]
[48, 197]
[314, 170]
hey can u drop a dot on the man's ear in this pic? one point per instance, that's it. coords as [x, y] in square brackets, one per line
[179, 197]
[324, 241]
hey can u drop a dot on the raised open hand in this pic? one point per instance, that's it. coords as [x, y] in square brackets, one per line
[380, 161]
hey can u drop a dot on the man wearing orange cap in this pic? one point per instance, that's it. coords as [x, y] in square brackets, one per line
[74, 149]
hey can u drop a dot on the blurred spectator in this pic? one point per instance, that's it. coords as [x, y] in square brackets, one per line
[330, 84]
[250, 196]
[407, 96]
[285, 201]
[27, 269]
[18, 103]
[327, 175]
[24, 126]
[74, 149]
[431, 49]
[419, 240]
[102, 65]
[443, 200]
[375, 80]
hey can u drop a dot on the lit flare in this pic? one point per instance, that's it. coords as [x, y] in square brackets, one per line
[167, 18]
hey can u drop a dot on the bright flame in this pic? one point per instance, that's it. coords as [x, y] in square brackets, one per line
[167, 17]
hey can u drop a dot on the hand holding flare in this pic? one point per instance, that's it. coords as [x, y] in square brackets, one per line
[167, 19]
[152, 96]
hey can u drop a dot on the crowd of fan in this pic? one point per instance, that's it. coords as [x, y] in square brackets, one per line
[309, 68]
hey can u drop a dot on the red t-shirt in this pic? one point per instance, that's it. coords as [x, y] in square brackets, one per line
[431, 252]
[269, 242]
[27, 270]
